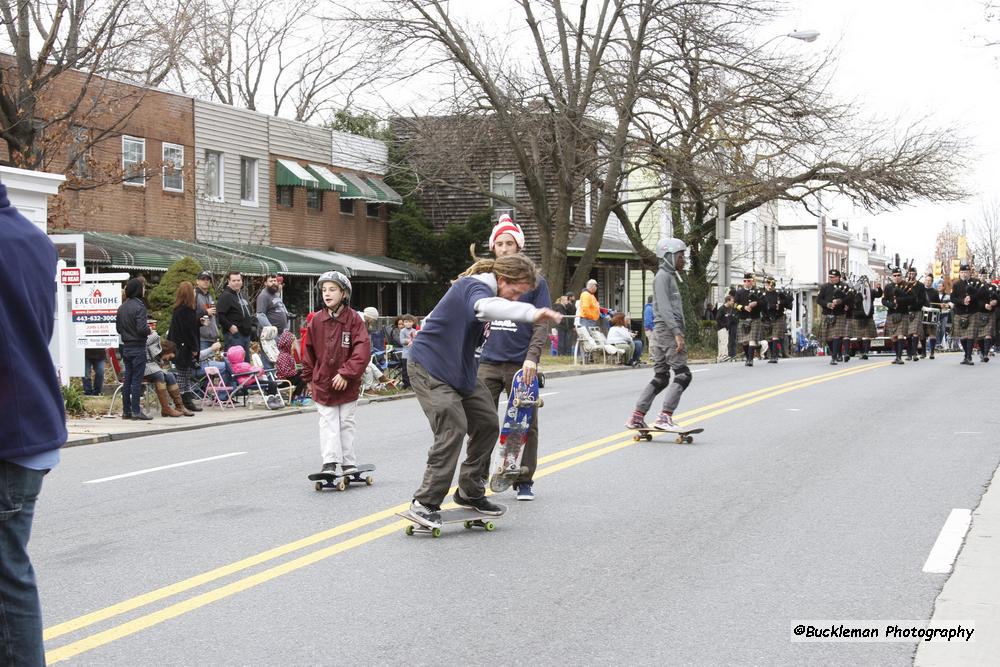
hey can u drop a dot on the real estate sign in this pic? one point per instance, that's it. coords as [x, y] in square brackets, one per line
[94, 307]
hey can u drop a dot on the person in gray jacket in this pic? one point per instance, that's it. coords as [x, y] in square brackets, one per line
[666, 346]
[208, 332]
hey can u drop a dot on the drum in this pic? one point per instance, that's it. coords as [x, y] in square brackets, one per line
[931, 315]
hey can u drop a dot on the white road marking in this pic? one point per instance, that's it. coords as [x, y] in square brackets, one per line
[949, 541]
[172, 465]
[793, 409]
[549, 393]
[701, 370]
[967, 432]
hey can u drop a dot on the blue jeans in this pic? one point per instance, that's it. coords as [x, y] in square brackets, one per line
[134, 359]
[229, 340]
[97, 366]
[638, 350]
[20, 609]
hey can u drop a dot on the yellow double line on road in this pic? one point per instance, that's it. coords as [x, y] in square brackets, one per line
[566, 458]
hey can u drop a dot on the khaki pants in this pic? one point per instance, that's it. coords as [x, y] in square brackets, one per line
[723, 339]
[451, 416]
[498, 378]
[337, 426]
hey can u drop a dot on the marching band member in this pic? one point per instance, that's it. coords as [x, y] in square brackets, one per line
[915, 318]
[833, 326]
[775, 305]
[749, 305]
[963, 326]
[986, 303]
[933, 300]
[897, 299]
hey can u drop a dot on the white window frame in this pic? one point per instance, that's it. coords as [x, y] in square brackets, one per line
[125, 169]
[221, 196]
[255, 202]
[495, 204]
[176, 171]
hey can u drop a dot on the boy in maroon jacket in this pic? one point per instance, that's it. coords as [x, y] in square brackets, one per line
[335, 355]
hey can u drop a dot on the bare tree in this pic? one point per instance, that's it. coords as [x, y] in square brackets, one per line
[985, 242]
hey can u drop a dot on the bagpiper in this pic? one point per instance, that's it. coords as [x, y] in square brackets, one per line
[863, 317]
[897, 299]
[775, 304]
[963, 304]
[986, 304]
[915, 318]
[749, 304]
[833, 323]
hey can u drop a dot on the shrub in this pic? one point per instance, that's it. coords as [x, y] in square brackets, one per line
[160, 299]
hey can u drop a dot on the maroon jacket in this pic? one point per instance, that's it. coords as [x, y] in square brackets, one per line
[336, 345]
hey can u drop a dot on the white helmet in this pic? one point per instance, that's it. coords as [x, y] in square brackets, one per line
[335, 277]
[669, 246]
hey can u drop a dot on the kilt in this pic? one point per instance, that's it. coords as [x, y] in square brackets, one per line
[829, 330]
[861, 327]
[896, 325]
[960, 330]
[749, 334]
[915, 324]
[985, 325]
[775, 328]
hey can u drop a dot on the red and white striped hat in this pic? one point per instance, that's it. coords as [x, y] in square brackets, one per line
[507, 226]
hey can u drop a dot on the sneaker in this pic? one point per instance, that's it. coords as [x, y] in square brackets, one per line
[481, 505]
[635, 422]
[664, 423]
[524, 491]
[142, 416]
[348, 469]
[425, 515]
[329, 469]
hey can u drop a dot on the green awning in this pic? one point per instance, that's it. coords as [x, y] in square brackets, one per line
[417, 273]
[386, 194]
[290, 262]
[356, 267]
[357, 188]
[288, 172]
[327, 179]
[146, 253]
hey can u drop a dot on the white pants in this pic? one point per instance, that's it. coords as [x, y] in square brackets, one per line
[722, 335]
[336, 433]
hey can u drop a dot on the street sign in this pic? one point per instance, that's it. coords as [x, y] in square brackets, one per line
[69, 276]
[93, 311]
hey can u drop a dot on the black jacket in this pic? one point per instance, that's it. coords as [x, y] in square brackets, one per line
[132, 319]
[184, 333]
[231, 309]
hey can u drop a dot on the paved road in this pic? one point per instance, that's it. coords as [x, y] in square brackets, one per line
[816, 492]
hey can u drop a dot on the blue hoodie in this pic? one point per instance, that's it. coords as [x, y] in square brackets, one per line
[32, 417]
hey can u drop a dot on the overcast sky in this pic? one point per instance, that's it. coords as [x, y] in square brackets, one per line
[907, 59]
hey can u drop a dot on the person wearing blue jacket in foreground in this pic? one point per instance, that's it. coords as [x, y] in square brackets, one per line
[32, 421]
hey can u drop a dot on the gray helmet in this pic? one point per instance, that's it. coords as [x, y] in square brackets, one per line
[669, 246]
[335, 277]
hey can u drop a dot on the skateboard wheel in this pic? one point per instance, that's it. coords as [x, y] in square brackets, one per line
[436, 532]
[342, 485]
[649, 437]
[489, 526]
[540, 403]
[690, 439]
[409, 530]
[637, 438]
[319, 486]
[369, 481]
[516, 402]
[467, 524]
[679, 440]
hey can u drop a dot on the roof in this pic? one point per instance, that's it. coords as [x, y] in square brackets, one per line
[610, 246]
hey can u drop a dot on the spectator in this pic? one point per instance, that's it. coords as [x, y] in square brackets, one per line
[285, 367]
[185, 334]
[233, 314]
[205, 310]
[406, 336]
[376, 335]
[564, 306]
[590, 309]
[93, 361]
[160, 353]
[647, 317]
[270, 307]
[131, 321]
[725, 325]
[33, 424]
[622, 337]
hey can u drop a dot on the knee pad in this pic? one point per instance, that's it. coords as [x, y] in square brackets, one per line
[660, 381]
[682, 376]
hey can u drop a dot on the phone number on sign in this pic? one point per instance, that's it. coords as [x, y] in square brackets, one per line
[94, 318]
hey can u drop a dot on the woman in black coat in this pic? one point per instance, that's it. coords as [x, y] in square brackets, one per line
[184, 334]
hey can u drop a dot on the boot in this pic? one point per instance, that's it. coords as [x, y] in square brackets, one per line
[188, 398]
[175, 394]
[161, 395]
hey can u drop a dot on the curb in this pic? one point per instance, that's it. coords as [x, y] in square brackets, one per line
[128, 435]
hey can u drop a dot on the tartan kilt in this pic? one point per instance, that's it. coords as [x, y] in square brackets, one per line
[960, 331]
[774, 329]
[896, 325]
[985, 325]
[754, 333]
[915, 324]
[836, 329]
[864, 328]
[930, 331]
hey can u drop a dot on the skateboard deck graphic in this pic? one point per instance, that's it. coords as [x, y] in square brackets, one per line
[683, 434]
[469, 518]
[522, 399]
[325, 480]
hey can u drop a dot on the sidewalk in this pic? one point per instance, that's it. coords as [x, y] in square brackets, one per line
[91, 430]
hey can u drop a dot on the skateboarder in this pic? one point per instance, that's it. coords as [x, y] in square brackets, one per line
[514, 346]
[666, 347]
[334, 357]
[443, 365]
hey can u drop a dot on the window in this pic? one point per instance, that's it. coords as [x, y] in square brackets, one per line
[373, 210]
[285, 196]
[173, 167]
[248, 181]
[133, 161]
[347, 206]
[502, 183]
[82, 153]
[314, 199]
[214, 178]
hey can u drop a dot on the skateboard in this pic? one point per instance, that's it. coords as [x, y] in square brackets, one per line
[469, 518]
[325, 480]
[522, 399]
[683, 434]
